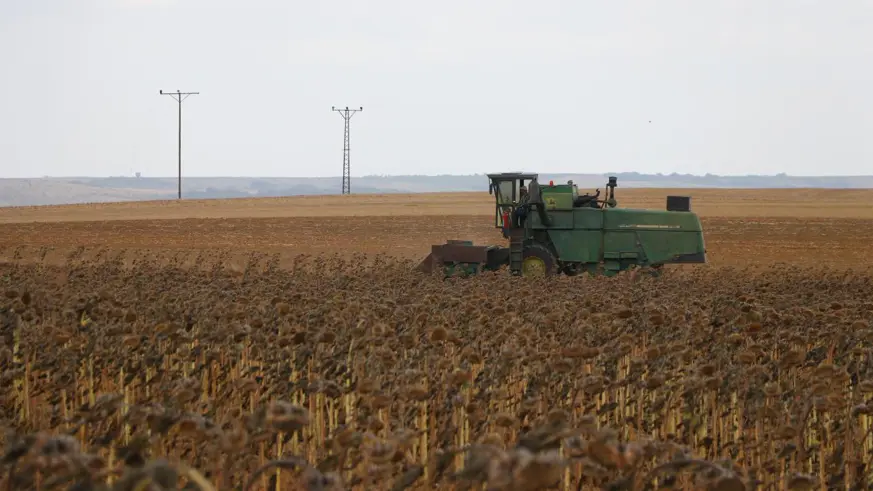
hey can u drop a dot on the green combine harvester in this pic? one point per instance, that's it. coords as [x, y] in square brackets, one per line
[553, 229]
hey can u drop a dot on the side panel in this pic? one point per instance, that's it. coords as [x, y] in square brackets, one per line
[558, 197]
[653, 235]
[579, 240]
[574, 218]
[588, 219]
[558, 201]
[576, 245]
[623, 219]
[560, 219]
[620, 245]
[669, 246]
[622, 237]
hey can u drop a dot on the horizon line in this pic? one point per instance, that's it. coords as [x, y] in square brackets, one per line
[383, 176]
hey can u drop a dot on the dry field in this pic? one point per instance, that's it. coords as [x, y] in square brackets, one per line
[214, 344]
[743, 227]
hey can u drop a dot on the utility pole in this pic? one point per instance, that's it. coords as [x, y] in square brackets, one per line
[347, 115]
[179, 97]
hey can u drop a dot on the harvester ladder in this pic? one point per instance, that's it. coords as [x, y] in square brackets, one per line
[516, 247]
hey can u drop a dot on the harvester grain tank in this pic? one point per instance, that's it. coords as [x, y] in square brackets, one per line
[553, 229]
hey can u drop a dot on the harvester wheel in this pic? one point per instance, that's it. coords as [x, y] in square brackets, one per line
[537, 260]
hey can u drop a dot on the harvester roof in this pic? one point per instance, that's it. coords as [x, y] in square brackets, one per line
[512, 175]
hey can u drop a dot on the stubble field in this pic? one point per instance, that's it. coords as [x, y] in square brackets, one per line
[146, 345]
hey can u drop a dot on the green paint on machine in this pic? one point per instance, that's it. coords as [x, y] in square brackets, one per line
[553, 229]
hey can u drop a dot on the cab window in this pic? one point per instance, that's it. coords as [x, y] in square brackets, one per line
[504, 192]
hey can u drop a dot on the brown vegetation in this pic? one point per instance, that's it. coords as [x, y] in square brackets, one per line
[374, 376]
[150, 367]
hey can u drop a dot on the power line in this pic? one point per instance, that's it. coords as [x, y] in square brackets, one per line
[179, 97]
[347, 115]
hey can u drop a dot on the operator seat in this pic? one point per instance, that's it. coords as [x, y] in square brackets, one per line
[587, 200]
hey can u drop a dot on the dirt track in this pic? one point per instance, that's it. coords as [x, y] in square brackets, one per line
[757, 227]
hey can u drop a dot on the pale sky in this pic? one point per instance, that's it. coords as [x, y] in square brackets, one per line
[450, 87]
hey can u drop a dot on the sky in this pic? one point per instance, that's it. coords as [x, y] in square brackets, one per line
[454, 87]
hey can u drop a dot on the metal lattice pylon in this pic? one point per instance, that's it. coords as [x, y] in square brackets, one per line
[346, 115]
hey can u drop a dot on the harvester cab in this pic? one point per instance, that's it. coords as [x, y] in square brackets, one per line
[508, 189]
[552, 229]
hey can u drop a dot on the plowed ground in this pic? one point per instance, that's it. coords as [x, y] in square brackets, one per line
[742, 227]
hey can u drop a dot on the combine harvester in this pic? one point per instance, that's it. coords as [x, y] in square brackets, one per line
[552, 229]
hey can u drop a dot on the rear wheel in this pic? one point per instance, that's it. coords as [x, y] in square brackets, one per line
[538, 261]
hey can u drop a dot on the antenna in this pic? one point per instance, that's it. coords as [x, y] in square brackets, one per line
[179, 97]
[347, 115]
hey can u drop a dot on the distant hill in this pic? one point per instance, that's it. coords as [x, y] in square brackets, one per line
[73, 190]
